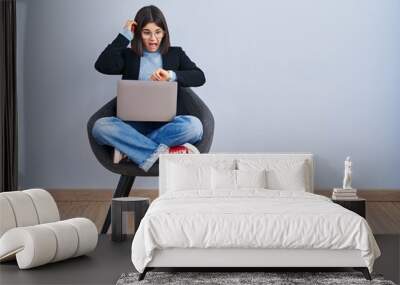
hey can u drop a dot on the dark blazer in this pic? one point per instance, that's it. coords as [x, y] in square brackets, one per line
[117, 58]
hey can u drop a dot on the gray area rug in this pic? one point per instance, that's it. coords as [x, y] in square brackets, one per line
[229, 278]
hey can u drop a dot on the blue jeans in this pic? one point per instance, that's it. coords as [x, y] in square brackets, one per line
[142, 142]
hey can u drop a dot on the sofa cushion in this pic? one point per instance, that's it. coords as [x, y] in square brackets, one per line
[45, 243]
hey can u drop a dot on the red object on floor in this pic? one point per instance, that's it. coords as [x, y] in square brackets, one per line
[178, 149]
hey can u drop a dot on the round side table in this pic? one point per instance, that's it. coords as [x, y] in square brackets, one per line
[138, 205]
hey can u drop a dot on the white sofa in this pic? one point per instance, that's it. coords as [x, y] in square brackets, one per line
[31, 231]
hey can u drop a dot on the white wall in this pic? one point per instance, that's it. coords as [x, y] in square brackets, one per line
[282, 76]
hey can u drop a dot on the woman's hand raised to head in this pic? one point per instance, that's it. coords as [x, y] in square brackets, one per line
[160, 75]
[130, 25]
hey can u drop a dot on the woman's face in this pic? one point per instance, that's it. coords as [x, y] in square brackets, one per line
[152, 36]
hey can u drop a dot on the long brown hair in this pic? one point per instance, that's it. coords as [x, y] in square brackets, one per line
[150, 14]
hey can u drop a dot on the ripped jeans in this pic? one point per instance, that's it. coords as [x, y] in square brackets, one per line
[142, 142]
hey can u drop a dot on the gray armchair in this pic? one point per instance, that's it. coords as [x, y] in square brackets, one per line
[188, 103]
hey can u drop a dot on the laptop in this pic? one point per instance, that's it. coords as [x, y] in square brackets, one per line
[145, 100]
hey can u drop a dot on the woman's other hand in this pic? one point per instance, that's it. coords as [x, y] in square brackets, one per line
[160, 75]
[130, 25]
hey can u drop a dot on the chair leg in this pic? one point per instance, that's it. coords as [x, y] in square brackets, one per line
[364, 271]
[124, 187]
[143, 274]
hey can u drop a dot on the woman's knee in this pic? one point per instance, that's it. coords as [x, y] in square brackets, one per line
[194, 126]
[103, 127]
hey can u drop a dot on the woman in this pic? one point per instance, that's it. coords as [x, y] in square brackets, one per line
[150, 58]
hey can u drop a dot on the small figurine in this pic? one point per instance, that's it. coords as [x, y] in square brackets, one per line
[347, 174]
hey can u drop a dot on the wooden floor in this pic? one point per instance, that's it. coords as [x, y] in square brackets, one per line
[383, 207]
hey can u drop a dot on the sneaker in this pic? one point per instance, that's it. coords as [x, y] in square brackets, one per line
[185, 148]
[118, 156]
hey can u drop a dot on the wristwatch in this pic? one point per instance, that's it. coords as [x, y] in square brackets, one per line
[170, 75]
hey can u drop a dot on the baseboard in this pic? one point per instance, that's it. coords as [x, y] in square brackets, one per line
[96, 195]
[105, 195]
